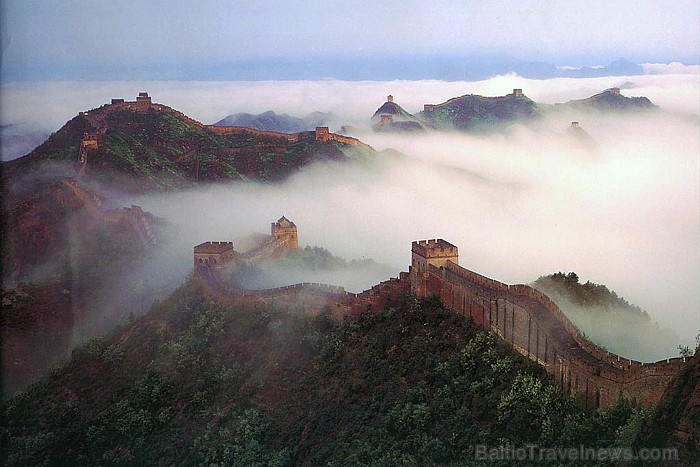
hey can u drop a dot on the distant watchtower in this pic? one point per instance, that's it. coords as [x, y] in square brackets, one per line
[615, 91]
[212, 257]
[390, 98]
[143, 101]
[432, 252]
[518, 92]
[322, 133]
[428, 107]
[284, 234]
[427, 253]
[88, 142]
[386, 119]
[575, 125]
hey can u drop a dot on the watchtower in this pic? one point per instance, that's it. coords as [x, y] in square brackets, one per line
[211, 257]
[386, 119]
[518, 92]
[432, 252]
[615, 91]
[428, 107]
[390, 98]
[427, 253]
[575, 125]
[117, 101]
[284, 234]
[322, 133]
[143, 101]
[88, 142]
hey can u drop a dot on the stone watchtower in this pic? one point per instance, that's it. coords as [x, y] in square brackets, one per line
[615, 91]
[143, 101]
[518, 92]
[284, 234]
[322, 134]
[386, 119]
[212, 257]
[390, 98]
[427, 253]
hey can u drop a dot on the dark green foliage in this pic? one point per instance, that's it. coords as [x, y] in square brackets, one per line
[422, 386]
[198, 383]
[158, 150]
[478, 112]
[589, 294]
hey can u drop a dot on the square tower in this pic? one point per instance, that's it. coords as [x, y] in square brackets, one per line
[143, 100]
[212, 256]
[425, 253]
[322, 133]
[284, 233]
[432, 252]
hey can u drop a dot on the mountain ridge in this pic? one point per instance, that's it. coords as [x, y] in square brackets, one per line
[161, 148]
[472, 112]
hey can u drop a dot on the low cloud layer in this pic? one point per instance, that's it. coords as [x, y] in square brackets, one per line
[47, 106]
[621, 210]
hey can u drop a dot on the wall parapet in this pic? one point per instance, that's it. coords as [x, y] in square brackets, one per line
[536, 327]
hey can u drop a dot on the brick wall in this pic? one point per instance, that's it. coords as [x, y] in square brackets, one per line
[537, 328]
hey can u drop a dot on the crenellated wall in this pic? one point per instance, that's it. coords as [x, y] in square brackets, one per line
[537, 328]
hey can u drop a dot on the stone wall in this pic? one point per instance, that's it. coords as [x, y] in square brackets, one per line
[537, 328]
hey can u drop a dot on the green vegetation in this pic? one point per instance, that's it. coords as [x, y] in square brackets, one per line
[197, 382]
[589, 294]
[477, 112]
[167, 150]
[608, 319]
[159, 150]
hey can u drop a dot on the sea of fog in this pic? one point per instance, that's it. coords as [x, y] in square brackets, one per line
[621, 208]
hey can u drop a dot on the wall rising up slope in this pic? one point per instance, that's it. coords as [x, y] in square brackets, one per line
[537, 328]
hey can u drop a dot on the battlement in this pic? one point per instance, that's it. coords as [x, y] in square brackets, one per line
[117, 101]
[322, 133]
[536, 327]
[517, 92]
[213, 247]
[143, 100]
[435, 248]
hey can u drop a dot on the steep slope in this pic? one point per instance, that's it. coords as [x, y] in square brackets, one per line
[206, 379]
[676, 421]
[61, 254]
[146, 146]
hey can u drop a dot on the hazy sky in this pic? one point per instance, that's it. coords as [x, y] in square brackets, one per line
[53, 36]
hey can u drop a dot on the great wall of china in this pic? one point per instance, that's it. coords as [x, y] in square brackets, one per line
[524, 317]
[537, 328]
[97, 118]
